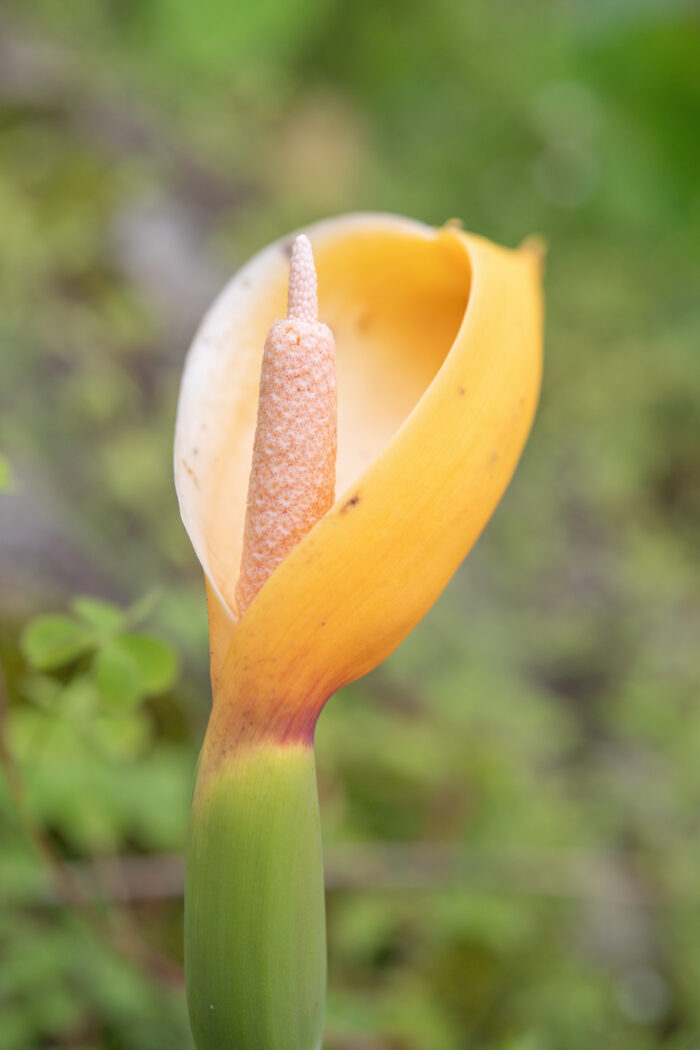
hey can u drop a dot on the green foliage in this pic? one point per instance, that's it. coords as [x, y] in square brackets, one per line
[54, 640]
[125, 667]
[89, 718]
[543, 721]
[81, 738]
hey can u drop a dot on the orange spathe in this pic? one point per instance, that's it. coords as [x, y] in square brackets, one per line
[438, 341]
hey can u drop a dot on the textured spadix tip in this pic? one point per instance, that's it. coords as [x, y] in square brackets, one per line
[292, 479]
[302, 297]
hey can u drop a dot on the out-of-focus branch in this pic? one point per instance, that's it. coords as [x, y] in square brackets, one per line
[556, 873]
[414, 867]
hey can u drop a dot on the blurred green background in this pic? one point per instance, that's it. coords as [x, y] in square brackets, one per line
[511, 804]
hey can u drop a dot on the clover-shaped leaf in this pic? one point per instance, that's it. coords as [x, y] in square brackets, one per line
[134, 666]
[54, 640]
[155, 660]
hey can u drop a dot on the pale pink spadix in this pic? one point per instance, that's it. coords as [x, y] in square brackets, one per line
[292, 480]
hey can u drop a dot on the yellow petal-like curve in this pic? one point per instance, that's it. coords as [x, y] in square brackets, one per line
[438, 337]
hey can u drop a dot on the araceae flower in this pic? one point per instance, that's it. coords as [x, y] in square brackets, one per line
[438, 346]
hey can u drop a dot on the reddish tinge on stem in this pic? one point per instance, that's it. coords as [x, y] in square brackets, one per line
[292, 480]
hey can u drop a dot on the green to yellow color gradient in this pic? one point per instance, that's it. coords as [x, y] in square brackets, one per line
[438, 338]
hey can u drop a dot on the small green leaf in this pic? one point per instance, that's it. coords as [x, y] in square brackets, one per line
[134, 666]
[53, 640]
[156, 661]
[118, 676]
[106, 619]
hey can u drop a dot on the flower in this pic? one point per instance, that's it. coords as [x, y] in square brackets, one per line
[438, 339]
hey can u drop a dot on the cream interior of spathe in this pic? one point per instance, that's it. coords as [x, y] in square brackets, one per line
[394, 293]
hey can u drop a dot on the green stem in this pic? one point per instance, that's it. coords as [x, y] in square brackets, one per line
[255, 939]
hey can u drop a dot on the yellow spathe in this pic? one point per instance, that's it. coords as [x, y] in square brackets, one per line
[438, 340]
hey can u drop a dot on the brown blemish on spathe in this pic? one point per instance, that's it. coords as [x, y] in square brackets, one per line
[352, 502]
[191, 473]
[363, 322]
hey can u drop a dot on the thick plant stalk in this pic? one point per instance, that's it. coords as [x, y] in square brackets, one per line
[437, 335]
[255, 939]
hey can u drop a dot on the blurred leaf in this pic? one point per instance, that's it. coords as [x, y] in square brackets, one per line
[134, 666]
[156, 661]
[105, 618]
[118, 675]
[54, 640]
